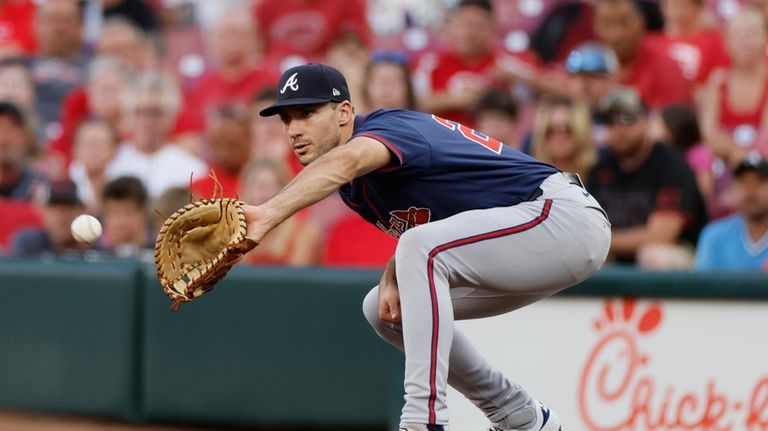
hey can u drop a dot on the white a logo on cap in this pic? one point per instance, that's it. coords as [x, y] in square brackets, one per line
[336, 92]
[292, 82]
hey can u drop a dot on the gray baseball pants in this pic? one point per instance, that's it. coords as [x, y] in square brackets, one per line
[477, 264]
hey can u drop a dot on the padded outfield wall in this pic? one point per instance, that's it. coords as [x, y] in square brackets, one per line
[282, 347]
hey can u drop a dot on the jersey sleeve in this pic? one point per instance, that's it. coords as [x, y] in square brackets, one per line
[409, 148]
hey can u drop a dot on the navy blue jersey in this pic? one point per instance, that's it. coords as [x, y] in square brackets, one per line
[440, 168]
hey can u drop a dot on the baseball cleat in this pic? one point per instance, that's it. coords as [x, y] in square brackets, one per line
[546, 420]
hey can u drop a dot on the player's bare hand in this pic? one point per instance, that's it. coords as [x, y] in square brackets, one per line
[389, 296]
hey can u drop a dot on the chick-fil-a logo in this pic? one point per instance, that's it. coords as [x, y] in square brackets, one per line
[617, 391]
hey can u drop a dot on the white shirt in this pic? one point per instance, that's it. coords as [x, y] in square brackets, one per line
[170, 166]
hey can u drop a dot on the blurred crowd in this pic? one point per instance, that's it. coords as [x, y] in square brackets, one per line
[127, 109]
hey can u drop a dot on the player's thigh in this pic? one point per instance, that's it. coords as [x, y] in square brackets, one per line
[525, 250]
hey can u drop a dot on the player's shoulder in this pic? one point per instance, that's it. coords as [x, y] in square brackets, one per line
[389, 118]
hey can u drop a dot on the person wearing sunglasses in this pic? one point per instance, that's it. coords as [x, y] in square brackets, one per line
[646, 187]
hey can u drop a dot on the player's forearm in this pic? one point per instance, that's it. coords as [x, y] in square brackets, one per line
[317, 181]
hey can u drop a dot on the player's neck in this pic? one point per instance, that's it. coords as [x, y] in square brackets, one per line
[346, 132]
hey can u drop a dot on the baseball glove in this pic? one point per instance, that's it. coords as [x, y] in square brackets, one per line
[197, 245]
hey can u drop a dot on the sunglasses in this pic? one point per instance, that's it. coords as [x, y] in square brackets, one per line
[622, 119]
[561, 129]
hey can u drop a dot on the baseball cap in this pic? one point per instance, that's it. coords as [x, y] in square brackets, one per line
[308, 84]
[62, 192]
[623, 102]
[592, 58]
[753, 162]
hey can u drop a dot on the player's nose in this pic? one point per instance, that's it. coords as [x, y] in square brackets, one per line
[293, 129]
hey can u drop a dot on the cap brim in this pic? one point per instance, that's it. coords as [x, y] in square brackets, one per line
[273, 109]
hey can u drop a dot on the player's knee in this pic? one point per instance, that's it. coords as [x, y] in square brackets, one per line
[414, 242]
[371, 308]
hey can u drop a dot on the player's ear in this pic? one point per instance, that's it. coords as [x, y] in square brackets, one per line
[346, 113]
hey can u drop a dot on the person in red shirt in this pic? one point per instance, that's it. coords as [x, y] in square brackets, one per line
[451, 82]
[239, 73]
[733, 109]
[307, 28]
[696, 45]
[644, 64]
[228, 139]
[17, 33]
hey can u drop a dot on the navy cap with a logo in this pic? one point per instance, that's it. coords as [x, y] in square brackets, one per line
[308, 84]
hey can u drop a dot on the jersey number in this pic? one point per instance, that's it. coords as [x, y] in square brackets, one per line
[471, 134]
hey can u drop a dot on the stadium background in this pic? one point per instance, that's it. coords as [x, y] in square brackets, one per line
[118, 108]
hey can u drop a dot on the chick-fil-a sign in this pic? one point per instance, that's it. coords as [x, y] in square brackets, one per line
[618, 391]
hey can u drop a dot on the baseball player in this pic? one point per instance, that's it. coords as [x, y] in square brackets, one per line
[483, 230]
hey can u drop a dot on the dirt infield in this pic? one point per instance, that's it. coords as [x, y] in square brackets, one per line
[24, 421]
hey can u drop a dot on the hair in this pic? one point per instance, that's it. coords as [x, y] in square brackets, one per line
[410, 93]
[499, 101]
[126, 189]
[682, 125]
[581, 129]
[636, 6]
[168, 202]
[122, 22]
[266, 94]
[485, 5]
[157, 83]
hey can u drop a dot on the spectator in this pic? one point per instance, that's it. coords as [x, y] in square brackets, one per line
[692, 40]
[678, 125]
[17, 19]
[136, 11]
[562, 136]
[643, 63]
[150, 108]
[355, 243]
[108, 78]
[297, 241]
[239, 74]
[16, 84]
[167, 203]
[62, 205]
[122, 39]
[307, 29]
[350, 55]
[229, 143]
[593, 72]
[733, 107]
[497, 117]
[268, 139]
[17, 179]
[647, 189]
[60, 61]
[126, 225]
[388, 82]
[740, 242]
[96, 142]
[450, 83]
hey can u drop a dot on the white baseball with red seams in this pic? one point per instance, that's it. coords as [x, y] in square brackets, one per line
[85, 228]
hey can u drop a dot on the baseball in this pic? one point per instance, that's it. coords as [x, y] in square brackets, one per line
[85, 228]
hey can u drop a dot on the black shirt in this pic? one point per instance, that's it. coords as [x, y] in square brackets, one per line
[664, 182]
